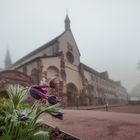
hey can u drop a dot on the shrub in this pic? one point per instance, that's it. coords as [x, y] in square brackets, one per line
[18, 121]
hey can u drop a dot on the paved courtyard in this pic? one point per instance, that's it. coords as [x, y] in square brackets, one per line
[98, 124]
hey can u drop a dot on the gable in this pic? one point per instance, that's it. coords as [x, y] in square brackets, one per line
[67, 45]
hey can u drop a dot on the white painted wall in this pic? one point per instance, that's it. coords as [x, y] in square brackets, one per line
[48, 51]
[68, 37]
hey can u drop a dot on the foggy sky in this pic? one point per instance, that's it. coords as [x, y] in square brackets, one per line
[107, 32]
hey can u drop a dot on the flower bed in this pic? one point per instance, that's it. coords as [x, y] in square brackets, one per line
[19, 120]
[56, 133]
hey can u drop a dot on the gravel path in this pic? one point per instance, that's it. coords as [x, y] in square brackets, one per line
[98, 125]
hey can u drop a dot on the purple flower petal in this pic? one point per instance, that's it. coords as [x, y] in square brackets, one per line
[58, 115]
[36, 93]
[53, 100]
[40, 88]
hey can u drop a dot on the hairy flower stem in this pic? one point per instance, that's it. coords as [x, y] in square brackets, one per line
[36, 117]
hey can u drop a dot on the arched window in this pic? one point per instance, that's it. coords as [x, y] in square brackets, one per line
[52, 71]
[25, 69]
[35, 76]
[70, 57]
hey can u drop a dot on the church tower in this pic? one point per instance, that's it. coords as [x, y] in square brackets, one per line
[8, 61]
[67, 23]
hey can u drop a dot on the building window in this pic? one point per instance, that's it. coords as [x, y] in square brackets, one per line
[69, 46]
[70, 57]
[25, 69]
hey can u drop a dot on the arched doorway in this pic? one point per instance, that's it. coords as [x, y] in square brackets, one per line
[52, 71]
[91, 96]
[71, 94]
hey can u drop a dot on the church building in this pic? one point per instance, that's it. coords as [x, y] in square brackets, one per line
[60, 58]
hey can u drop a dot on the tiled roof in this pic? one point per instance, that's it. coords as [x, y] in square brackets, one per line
[103, 75]
[38, 58]
[37, 50]
[89, 69]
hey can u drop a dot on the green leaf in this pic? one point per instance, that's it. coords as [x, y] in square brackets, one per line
[16, 94]
[41, 135]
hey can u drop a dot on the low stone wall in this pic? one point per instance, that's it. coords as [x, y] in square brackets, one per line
[134, 102]
[56, 133]
[13, 77]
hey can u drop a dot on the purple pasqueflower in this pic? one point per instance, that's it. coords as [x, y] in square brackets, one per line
[37, 93]
[52, 82]
[40, 88]
[23, 117]
[53, 100]
[58, 115]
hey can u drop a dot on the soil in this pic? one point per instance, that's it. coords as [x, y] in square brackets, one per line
[99, 124]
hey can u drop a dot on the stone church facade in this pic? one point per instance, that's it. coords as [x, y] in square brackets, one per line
[61, 58]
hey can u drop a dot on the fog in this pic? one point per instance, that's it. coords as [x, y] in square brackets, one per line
[107, 32]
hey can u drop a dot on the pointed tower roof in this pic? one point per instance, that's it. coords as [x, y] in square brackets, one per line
[67, 22]
[8, 61]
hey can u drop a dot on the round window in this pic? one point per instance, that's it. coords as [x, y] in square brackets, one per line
[70, 57]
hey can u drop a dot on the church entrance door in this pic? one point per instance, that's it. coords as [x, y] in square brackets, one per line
[71, 94]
